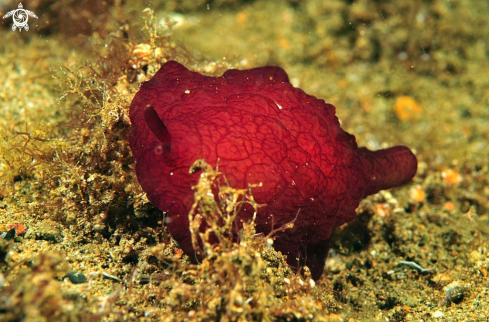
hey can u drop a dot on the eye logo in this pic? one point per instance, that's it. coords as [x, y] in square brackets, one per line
[20, 16]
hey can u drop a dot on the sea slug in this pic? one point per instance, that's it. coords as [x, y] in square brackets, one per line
[262, 130]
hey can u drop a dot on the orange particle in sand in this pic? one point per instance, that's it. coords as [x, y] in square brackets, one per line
[406, 108]
[284, 43]
[417, 194]
[343, 83]
[241, 18]
[381, 210]
[451, 176]
[366, 104]
[19, 228]
[333, 318]
[178, 253]
[449, 205]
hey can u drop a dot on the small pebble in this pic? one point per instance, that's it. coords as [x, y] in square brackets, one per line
[438, 315]
[10, 234]
[454, 292]
[76, 277]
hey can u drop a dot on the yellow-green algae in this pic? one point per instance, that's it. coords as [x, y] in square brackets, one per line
[67, 174]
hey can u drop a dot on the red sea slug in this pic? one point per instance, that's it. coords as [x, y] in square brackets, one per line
[262, 130]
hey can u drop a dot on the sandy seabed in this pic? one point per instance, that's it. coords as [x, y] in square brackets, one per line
[80, 241]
